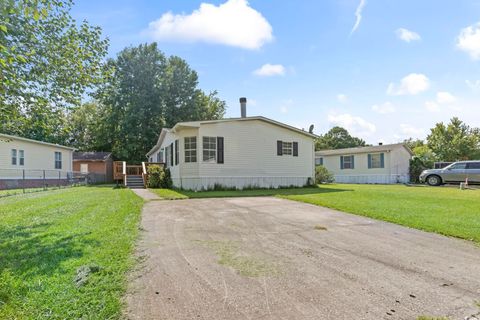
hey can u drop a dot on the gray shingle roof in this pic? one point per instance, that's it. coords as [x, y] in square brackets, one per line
[92, 156]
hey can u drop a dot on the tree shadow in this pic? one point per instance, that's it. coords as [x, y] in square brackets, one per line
[33, 250]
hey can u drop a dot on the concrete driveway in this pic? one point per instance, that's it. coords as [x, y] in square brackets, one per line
[269, 258]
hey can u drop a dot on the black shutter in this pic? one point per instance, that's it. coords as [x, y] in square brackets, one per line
[171, 154]
[295, 149]
[176, 152]
[220, 150]
[279, 148]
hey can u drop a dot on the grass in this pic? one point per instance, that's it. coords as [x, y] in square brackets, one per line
[64, 254]
[169, 194]
[444, 210]
[229, 255]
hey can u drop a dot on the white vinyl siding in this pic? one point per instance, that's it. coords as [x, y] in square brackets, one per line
[209, 149]
[190, 146]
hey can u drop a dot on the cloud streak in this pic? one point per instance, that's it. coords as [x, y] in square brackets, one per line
[358, 15]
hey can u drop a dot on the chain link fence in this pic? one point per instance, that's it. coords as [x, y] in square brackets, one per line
[14, 181]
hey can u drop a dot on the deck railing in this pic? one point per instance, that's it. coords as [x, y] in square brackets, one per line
[121, 169]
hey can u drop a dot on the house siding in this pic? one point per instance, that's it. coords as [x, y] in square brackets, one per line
[250, 157]
[396, 167]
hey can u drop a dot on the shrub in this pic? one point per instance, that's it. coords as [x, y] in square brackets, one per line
[322, 175]
[416, 168]
[156, 175]
[166, 181]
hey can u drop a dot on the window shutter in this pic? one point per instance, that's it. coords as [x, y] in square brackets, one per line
[220, 149]
[353, 162]
[321, 161]
[279, 148]
[176, 152]
[171, 154]
[369, 161]
[341, 162]
[382, 160]
[295, 149]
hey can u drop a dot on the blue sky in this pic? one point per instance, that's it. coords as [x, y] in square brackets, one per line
[386, 70]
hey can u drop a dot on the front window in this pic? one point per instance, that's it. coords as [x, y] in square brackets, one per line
[160, 156]
[190, 146]
[21, 157]
[347, 162]
[14, 157]
[319, 161]
[376, 160]
[287, 148]
[58, 160]
[209, 149]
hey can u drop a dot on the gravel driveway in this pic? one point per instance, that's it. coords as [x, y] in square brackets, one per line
[269, 258]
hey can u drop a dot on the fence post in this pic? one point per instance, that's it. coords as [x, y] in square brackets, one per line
[59, 177]
[23, 182]
[44, 182]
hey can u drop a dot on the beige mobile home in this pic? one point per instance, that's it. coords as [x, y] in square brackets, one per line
[238, 152]
[32, 161]
[383, 164]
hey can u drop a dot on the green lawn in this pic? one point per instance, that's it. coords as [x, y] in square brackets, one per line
[444, 210]
[46, 237]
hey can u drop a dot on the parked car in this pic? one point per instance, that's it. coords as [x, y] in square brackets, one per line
[454, 173]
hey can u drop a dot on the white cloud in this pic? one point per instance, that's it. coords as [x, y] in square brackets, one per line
[355, 125]
[407, 35]
[384, 108]
[444, 97]
[432, 106]
[232, 23]
[342, 98]
[358, 15]
[412, 84]
[469, 41]
[268, 70]
[410, 130]
[474, 85]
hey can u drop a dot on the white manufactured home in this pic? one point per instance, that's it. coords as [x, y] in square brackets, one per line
[32, 161]
[237, 153]
[383, 164]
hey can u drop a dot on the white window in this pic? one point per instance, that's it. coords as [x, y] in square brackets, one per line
[58, 160]
[21, 157]
[209, 149]
[160, 156]
[190, 146]
[287, 148]
[319, 161]
[14, 157]
[376, 161]
[347, 162]
[84, 167]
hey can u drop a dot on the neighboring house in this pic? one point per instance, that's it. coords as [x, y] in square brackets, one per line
[375, 164]
[33, 162]
[98, 164]
[237, 152]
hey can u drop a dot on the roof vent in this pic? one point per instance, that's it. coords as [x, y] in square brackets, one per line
[243, 107]
[380, 143]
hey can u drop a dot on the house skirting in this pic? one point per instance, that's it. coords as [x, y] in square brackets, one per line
[206, 183]
[373, 179]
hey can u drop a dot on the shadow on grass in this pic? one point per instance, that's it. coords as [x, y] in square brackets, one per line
[33, 250]
[258, 192]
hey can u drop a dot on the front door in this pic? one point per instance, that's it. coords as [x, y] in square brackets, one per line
[84, 167]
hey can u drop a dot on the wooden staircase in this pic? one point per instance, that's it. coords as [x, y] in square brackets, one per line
[134, 182]
[132, 176]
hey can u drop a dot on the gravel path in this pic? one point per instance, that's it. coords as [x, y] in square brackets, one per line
[269, 258]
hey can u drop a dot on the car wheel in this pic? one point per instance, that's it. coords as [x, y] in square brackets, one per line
[434, 180]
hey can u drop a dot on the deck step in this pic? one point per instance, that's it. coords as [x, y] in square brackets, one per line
[135, 182]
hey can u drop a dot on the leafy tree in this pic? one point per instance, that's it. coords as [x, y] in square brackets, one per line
[337, 138]
[454, 141]
[146, 92]
[47, 63]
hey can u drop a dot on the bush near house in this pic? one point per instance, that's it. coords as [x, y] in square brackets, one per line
[159, 177]
[322, 175]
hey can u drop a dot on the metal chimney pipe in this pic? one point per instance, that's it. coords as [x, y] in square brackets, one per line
[243, 107]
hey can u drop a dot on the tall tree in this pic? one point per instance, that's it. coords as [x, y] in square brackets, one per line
[146, 92]
[454, 141]
[47, 63]
[337, 138]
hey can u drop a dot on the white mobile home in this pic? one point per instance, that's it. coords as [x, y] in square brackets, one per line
[384, 164]
[32, 161]
[238, 152]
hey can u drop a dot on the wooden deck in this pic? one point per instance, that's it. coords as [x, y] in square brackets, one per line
[121, 170]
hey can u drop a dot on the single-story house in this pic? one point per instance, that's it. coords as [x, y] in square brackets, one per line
[383, 164]
[29, 163]
[99, 165]
[236, 153]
